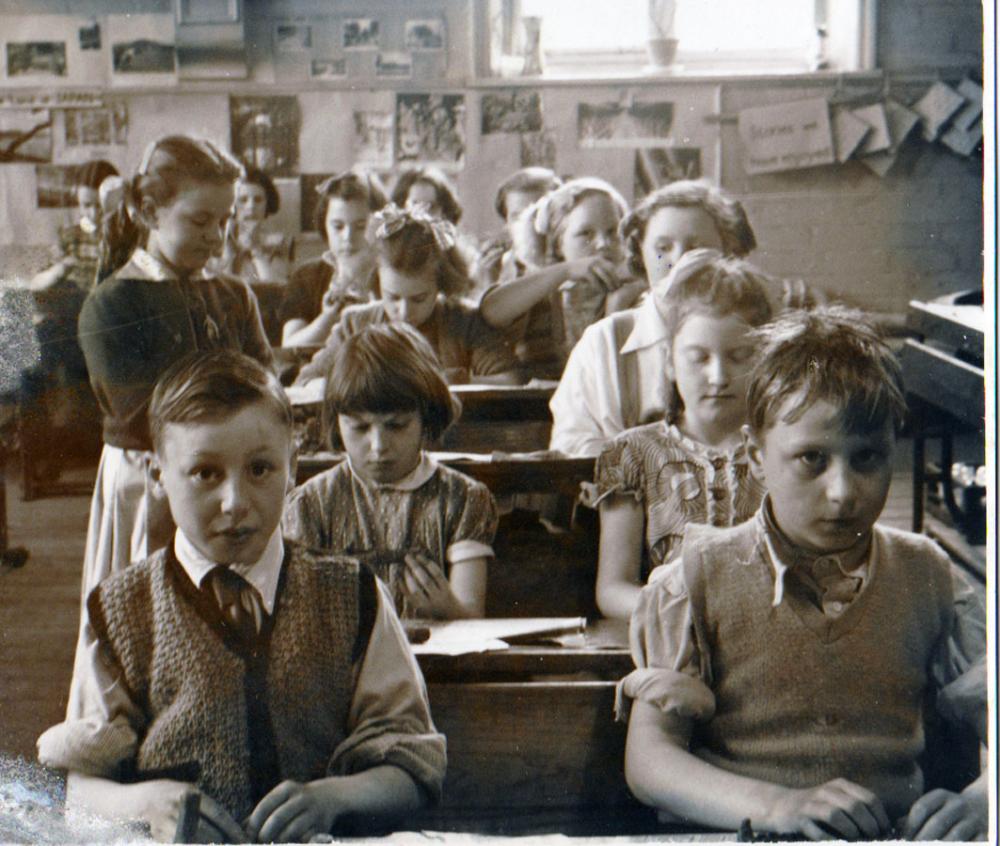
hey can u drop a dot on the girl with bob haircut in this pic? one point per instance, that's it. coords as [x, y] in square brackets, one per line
[613, 378]
[654, 480]
[425, 529]
[320, 290]
[420, 274]
[429, 187]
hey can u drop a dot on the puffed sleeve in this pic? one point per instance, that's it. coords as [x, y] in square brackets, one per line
[671, 671]
[618, 471]
[389, 719]
[475, 526]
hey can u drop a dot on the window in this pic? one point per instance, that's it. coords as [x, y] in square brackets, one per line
[610, 37]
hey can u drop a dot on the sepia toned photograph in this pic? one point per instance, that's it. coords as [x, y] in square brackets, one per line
[498, 423]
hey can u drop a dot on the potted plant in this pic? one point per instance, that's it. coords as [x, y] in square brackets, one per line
[662, 41]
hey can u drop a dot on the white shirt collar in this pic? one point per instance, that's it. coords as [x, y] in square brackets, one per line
[648, 329]
[263, 574]
[416, 478]
[155, 269]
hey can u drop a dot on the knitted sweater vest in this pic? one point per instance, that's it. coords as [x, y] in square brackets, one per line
[802, 698]
[234, 720]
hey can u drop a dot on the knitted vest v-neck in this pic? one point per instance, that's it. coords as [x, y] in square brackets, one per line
[802, 698]
[238, 720]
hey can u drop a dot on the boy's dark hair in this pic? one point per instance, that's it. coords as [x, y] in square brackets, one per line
[384, 369]
[350, 185]
[211, 386]
[728, 214]
[833, 354]
[91, 174]
[533, 180]
[447, 196]
[272, 200]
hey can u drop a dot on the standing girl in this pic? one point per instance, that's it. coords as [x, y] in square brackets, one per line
[425, 529]
[149, 313]
[420, 272]
[321, 289]
[651, 481]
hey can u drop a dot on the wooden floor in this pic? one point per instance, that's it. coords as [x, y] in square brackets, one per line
[39, 607]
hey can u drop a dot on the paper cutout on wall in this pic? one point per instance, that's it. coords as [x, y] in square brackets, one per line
[373, 139]
[25, 135]
[973, 108]
[620, 125]
[538, 149]
[879, 138]
[430, 128]
[786, 136]
[848, 133]
[519, 110]
[56, 186]
[656, 167]
[963, 141]
[935, 108]
[265, 132]
[901, 122]
[36, 58]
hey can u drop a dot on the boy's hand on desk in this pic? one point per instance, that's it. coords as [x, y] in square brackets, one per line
[428, 591]
[943, 815]
[294, 812]
[161, 802]
[838, 807]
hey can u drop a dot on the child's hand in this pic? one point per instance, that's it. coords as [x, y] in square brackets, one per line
[428, 591]
[943, 815]
[596, 269]
[839, 808]
[159, 804]
[294, 812]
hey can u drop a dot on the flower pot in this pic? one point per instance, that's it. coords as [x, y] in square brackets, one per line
[662, 51]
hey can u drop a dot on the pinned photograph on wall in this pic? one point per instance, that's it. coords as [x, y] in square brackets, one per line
[36, 58]
[431, 128]
[25, 135]
[620, 125]
[328, 68]
[659, 166]
[55, 186]
[96, 127]
[373, 138]
[265, 132]
[142, 49]
[359, 34]
[425, 34]
[538, 149]
[143, 56]
[398, 64]
[292, 38]
[518, 110]
[90, 36]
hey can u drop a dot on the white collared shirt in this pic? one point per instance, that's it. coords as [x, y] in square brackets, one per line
[416, 478]
[155, 269]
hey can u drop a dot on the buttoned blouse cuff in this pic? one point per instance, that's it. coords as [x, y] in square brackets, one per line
[672, 692]
[88, 745]
[465, 550]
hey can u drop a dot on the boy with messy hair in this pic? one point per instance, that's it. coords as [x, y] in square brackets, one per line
[785, 665]
[272, 681]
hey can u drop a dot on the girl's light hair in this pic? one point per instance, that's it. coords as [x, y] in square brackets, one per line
[537, 230]
[530, 180]
[727, 213]
[831, 353]
[447, 196]
[349, 185]
[387, 368]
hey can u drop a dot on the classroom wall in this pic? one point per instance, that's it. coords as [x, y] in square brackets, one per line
[873, 241]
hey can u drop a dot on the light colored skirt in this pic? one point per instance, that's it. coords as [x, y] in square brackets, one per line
[128, 522]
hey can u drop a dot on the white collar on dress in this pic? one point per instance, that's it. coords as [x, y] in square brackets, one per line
[263, 574]
[416, 478]
[154, 269]
[648, 329]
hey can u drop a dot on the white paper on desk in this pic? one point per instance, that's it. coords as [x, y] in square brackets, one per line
[460, 637]
[311, 393]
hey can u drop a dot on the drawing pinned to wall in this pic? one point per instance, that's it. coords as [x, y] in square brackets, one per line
[538, 149]
[396, 63]
[55, 186]
[90, 36]
[142, 49]
[36, 58]
[360, 34]
[292, 38]
[328, 68]
[519, 110]
[658, 166]
[425, 34]
[373, 139]
[96, 127]
[265, 132]
[430, 128]
[25, 135]
[620, 125]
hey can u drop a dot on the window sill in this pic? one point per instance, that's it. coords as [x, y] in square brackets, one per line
[676, 74]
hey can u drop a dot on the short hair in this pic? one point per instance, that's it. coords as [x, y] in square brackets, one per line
[447, 195]
[706, 281]
[208, 387]
[91, 174]
[255, 176]
[831, 353]
[529, 180]
[727, 213]
[349, 185]
[387, 368]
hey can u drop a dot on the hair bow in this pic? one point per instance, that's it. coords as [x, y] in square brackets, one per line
[391, 219]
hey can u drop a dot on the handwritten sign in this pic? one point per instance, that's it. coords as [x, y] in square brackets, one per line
[52, 99]
[787, 136]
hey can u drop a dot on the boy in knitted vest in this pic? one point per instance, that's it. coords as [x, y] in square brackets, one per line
[273, 682]
[786, 666]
